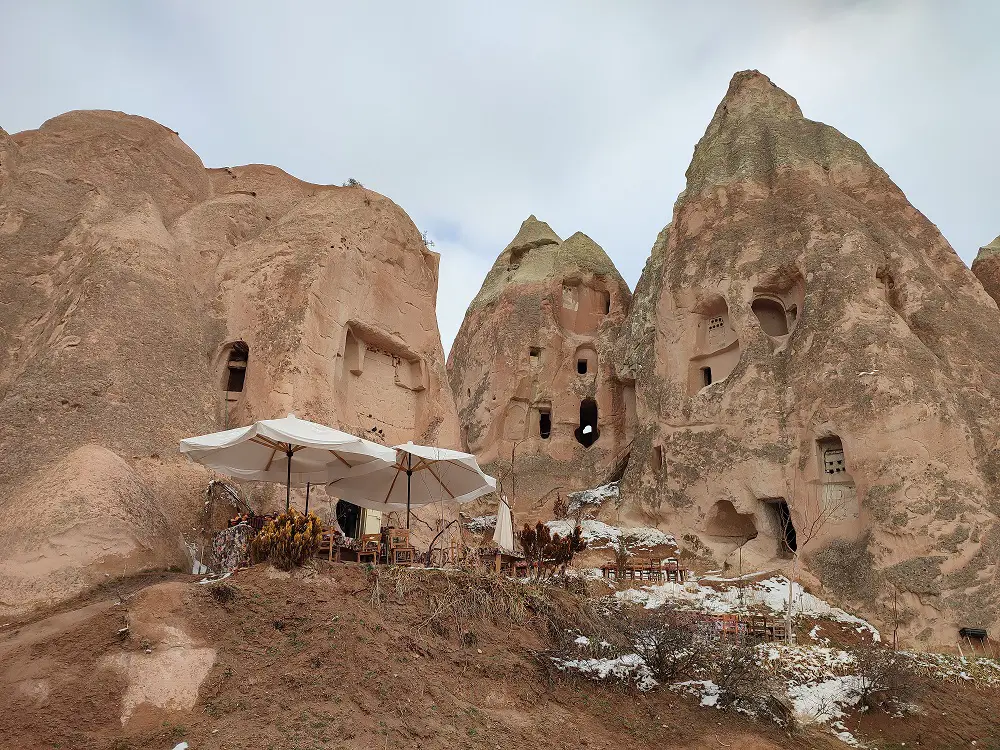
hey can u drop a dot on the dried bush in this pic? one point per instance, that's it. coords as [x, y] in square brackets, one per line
[223, 593]
[884, 676]
[288, 540]
[668, 644]
[740, 673]
[546, 551]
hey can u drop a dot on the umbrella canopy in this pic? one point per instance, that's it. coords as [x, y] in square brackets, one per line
[504, 534]
[287, 450]
[420, 475]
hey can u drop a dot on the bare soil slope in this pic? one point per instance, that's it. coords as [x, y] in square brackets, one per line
[316, 660]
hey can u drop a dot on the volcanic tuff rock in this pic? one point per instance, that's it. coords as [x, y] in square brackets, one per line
[531, 366]
[986, 266]
[145, 298]
[802, 338]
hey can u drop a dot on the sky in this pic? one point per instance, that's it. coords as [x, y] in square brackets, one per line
[471, 115]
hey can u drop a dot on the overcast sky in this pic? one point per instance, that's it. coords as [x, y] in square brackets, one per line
[472, 115]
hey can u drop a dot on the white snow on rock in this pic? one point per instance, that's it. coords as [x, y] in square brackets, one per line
[481, 524]
[600, 535]
[627, 668]
[771, 593]
[597, 496]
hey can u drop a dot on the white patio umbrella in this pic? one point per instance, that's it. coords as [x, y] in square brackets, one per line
[289, 451]
[420, 475]
[504, 533]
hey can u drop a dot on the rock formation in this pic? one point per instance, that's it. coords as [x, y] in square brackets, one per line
[145, 298]
[986, 266]
[805, 345]
[531, 366]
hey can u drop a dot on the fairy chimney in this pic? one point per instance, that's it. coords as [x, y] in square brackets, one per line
[986, 266]
[531, 367]
[807, 348]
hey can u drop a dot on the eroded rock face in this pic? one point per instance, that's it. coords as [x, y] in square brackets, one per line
[145, 298]
[805, 343]
[531, 366]
[986, 266]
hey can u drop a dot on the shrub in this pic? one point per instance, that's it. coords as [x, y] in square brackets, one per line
[548, 551]
[288, 540]
[667, 643]
[740, 674]
[883, 676]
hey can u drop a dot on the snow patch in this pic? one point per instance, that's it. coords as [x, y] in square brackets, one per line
[600, 535]
[627, 668]
[707, 690]
[771, 593]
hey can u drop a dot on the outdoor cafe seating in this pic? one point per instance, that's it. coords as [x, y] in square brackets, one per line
[645, 569]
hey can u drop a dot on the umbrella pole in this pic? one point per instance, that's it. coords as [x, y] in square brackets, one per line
[409, 473]
[307, 498]
[288, 483]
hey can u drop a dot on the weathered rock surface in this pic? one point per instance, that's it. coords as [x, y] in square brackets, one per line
[986, 266]
[145, 298]
[531, 366]
[802, 335]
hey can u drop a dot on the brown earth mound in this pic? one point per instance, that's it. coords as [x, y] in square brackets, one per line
[67, 528]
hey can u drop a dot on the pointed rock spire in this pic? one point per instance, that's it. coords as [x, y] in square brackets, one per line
[986, 266]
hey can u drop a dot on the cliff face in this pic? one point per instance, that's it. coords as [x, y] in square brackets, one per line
[986, 267]
[531, 366]
[145, 298]
[806, 344]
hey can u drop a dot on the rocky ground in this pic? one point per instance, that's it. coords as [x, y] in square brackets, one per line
[341, 657]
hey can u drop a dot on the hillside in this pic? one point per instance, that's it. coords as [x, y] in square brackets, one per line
[341, 657]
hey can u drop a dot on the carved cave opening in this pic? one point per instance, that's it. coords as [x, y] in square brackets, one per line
[716, 346]
[832, 461]
[588, 432]
[771, 316]
[657, 458]
[581, 366]
[727, 522]
[236, 366]
[781, 518]
[544, 423]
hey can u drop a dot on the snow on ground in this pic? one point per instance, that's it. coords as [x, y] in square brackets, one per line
[706, 690]
[771, 593]
[599, 535]
[820, 702]
[627, 668]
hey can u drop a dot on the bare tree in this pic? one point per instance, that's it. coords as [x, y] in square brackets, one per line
[813, 515]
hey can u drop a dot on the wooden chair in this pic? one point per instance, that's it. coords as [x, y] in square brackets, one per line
[729, 626]
[370, 546]
[655, 570]
[326, 544]
[401, 552]
[672, 570]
